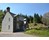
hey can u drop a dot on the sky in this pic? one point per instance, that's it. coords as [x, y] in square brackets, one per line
[26, 8]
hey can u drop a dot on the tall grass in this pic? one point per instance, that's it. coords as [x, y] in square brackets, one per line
[44, 32]
[39, 30]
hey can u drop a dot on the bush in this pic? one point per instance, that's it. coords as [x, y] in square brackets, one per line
[38, 26]
[44, 32]
[35, 24]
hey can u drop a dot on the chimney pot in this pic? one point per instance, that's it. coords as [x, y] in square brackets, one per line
[8, 9]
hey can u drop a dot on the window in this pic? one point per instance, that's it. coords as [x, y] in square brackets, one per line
[8, 26]
[9, 19]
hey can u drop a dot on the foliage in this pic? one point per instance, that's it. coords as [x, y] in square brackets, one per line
[1, 15]
[37, 18]
[31, 19]
[44, 33]
[38, 26]
[45, 18]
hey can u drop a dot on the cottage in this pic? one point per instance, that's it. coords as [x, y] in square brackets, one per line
[10, 23]
[20, 23]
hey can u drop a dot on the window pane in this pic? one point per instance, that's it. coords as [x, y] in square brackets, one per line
[9, 19]
[9, 27]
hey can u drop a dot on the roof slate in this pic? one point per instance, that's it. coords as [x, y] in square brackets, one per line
[12, 14]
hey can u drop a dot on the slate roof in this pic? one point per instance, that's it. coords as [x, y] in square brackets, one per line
[12, 14]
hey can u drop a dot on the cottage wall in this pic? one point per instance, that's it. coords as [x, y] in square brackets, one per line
[7, 23]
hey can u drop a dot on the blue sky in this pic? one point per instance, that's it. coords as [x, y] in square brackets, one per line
[26, 8]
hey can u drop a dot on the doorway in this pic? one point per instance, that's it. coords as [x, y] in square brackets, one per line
[20, 26]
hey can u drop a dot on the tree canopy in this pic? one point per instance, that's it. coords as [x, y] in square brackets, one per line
[1, 15]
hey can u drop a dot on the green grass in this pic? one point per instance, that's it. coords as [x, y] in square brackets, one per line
[38, 30]
[43, 33]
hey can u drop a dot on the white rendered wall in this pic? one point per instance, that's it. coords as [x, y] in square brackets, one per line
[6, 23]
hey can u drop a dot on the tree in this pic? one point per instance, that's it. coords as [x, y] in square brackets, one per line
[37, 18]
[28, 20]
[1, 15]
[31, 19]
[45, 18]
[41, 19]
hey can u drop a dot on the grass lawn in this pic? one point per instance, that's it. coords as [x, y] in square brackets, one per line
[41, 33]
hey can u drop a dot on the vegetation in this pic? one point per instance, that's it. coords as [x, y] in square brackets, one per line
[44, 32]
[37, 18]
[45, 19]
[1, 15]
[40, 25]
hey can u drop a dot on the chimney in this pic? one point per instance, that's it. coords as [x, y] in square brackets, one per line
[8, 9]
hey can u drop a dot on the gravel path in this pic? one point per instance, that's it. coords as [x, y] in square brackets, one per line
[17, 34]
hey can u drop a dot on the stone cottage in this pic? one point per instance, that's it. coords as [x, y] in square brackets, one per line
[10, 23]
[20, 23]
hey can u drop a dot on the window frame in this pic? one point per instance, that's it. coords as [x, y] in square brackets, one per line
[9, 19]
[8, 27]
